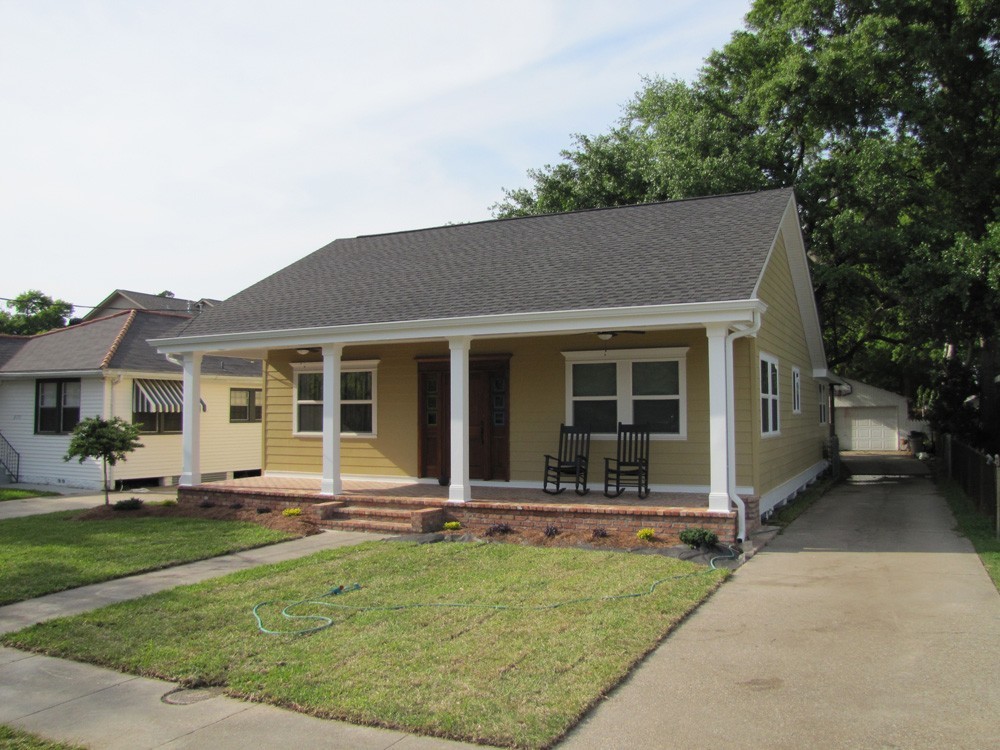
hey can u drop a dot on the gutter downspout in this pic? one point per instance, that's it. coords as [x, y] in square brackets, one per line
[741, 515]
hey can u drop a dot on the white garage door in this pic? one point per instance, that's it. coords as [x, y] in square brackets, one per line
[869, 429]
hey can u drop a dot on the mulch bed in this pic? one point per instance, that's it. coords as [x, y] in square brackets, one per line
[297, 525]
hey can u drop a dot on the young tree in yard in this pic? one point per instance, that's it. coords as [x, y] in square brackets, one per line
[107, 439]
[34, 312]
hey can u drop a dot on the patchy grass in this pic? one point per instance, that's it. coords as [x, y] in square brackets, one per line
[15, 739]
[976, 526]
[509, 669]
[9, 494]
[56, 551]
[800, 504]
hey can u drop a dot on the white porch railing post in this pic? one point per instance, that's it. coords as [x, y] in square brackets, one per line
[331, 483]
[718, 386]
[458, 490]
[191, 420]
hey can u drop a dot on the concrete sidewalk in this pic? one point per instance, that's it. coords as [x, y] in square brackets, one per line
[869, 623]
[79, 500]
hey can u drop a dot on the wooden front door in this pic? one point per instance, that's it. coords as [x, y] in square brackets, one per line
[489, 408]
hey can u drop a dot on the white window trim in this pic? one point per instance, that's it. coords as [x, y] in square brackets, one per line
[770, 360]
[624, 359]
[796, 391]
[824, 404]
[347, 365]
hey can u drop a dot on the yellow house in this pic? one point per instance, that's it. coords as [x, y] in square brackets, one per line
[452, 355]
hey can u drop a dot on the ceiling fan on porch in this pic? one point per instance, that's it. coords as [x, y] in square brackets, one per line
[608, 335]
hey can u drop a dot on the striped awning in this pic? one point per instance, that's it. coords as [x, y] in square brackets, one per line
[159, 396]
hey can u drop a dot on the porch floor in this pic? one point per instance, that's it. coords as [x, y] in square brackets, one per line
[436, 494]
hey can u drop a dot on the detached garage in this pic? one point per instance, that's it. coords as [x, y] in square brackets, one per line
[872, 419]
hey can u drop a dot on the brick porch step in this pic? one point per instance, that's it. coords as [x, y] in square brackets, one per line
[386, 518]
[367, 524]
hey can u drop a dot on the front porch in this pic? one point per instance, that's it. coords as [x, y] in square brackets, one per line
[414, 507]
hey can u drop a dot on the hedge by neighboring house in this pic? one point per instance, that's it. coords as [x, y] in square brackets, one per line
[455, 353]
[105, 367]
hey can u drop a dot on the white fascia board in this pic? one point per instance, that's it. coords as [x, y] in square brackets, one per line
[735, 312]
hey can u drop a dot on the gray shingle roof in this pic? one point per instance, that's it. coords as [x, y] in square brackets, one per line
[117, 342]
[698, 250]
[125, 299]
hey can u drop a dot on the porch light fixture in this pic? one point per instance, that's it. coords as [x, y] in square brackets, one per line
[303, 352]
[606, 335]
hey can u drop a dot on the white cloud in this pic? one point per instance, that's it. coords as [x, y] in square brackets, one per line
[199, 146]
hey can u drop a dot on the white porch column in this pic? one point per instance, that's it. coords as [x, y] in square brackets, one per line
[458, 490]
[718, 387]
[331, 483]
[191, 420]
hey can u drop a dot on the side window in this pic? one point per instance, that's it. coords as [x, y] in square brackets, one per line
[796, 391]
[769, 404]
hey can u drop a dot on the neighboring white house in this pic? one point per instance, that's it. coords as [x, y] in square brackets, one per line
[872, 419]
[105, 367]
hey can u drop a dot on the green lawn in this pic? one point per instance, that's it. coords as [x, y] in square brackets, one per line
[977, 527]
[15, 739]
[54, 551]
[9, 494]
[510, 670]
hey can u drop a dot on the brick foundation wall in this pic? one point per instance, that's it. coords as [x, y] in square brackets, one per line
[477, 516]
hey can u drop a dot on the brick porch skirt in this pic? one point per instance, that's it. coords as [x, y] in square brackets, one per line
[425, 514]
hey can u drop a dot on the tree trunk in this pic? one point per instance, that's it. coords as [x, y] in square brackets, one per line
[104, 465]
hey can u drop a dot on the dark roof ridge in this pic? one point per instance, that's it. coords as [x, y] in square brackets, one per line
[594, 209]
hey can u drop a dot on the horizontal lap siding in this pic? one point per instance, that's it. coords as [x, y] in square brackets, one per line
[537, 408]
[392, 453]
[800, 442]
[225, 446]
[42, 455]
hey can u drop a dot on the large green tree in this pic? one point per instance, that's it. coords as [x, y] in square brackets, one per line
[33, 312]
[885, 117]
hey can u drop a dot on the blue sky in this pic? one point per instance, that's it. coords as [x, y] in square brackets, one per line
[201, 146]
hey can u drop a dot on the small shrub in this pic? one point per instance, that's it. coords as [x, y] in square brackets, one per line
[206, 504]
[697, 537]
[551, 531]
[168, 503]
[262, 510]
[289, 512]
[235, 506]
[600, 533]
[645, 535]
[499, 529]
[452, 525]
[133, 503]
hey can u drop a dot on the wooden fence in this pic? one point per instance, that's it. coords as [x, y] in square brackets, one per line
[978, 474]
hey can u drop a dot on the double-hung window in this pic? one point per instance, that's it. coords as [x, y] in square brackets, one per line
[796, 391]
[824, 405]
[245, 405]
[769, 405]
[158, 405]
[634, 386]
[358, 389]
[57, 405]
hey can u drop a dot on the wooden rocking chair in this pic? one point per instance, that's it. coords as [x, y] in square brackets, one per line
[572, 461]
[631, 467]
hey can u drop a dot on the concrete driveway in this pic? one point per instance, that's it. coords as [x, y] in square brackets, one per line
[868, 624]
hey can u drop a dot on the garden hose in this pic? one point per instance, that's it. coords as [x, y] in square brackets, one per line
[326, 621]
